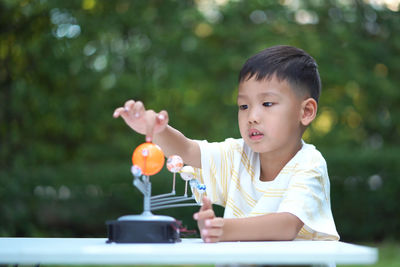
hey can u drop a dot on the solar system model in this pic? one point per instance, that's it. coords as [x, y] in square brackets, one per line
[148, 159]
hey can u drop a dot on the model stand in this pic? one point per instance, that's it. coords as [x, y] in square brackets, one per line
[148, 159]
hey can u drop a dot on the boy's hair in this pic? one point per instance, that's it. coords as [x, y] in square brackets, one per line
[287, 63]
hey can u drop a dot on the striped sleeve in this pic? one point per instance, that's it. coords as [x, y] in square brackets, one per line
[216, 169]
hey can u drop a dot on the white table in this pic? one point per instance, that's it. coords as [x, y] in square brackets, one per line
[190, 251]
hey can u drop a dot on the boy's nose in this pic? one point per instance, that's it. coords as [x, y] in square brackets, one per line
[254, 116]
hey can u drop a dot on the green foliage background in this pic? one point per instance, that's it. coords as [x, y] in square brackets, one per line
[66, 65]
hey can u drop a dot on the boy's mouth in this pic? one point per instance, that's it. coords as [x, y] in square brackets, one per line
[254, 134]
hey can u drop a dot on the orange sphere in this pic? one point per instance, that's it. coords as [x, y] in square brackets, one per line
[149, 157]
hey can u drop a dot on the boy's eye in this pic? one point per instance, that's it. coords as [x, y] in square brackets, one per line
[242, 107]
[267, 104]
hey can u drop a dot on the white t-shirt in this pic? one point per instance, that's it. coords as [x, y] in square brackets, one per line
[231, 171]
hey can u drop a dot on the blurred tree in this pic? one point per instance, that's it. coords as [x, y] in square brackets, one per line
[65, 66]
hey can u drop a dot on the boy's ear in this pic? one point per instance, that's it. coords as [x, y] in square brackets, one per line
[308, 111]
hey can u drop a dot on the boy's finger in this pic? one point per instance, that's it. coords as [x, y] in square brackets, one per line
[162, 117]
[215, 223]
[202, 215]
[129, 104]
[211, 232]
[118, 112]
[150, 123]
[206, 204]
[138, 109]
[211, 239]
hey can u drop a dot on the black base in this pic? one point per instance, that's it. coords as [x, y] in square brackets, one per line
[146, 231]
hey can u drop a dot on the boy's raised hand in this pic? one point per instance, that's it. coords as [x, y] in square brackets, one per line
[211, 227]
[143, 121]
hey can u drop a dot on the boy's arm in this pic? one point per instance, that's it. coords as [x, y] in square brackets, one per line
[174, 142]
[155, 125]
[273, 226]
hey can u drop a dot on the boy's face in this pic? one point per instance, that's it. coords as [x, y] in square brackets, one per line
[269, 115]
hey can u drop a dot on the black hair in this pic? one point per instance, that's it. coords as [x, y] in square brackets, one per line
[287, 63]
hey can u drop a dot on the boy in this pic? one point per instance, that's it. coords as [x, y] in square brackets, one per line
[273, 185]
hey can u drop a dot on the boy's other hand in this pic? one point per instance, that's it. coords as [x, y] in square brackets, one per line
[143, 121]
[211, 227]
